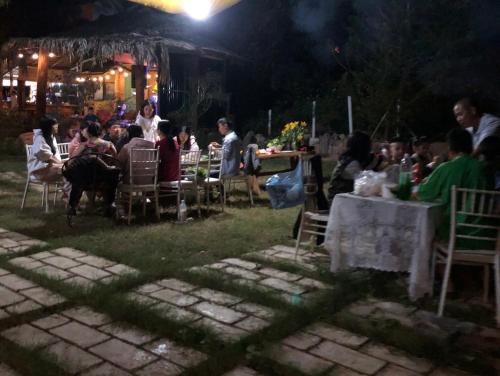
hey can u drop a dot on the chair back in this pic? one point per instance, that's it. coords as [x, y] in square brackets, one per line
[188, 164]
[63, 149]
[214, 169]
[29, 151]
[143, 166]
[478, 212]
[26, 138]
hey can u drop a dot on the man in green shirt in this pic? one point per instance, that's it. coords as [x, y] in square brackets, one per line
[462, 171]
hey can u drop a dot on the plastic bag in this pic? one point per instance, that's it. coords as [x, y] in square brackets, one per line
[369, 183]
[286, 189]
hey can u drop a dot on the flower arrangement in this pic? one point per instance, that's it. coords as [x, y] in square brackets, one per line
[292, 134]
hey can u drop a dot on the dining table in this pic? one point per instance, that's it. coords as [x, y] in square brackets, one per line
[383, 234]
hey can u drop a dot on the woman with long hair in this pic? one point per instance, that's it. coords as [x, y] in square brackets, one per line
[357, 157]
[148, 121]
[186, 139]
[45, 161]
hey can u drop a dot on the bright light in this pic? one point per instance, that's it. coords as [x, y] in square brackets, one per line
[34, 56]
[51, 54]
[112, 71]
[125, 74]
[198, 9]
[101, 78]
[148, 76]
[94, 79]
[20, 56]
[120, 69]
[107, 77]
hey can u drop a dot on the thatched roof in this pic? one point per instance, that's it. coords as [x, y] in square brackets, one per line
[147, 34]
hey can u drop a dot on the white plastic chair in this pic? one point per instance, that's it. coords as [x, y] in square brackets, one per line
[34, 180]
[213, 178]
[188, 179]
[143, 179]
[473, 205]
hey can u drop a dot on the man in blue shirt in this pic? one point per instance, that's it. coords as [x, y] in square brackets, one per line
[91, 116]
[231, 149]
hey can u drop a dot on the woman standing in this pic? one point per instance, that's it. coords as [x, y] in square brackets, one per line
[148, 121]
[45, 161]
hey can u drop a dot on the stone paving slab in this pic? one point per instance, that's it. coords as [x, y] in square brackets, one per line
[14, 242]
[181, 301]
[86, 342]
[347, 354]
[19, 295]
[255, 275]
[74, 266]
[242, 371]
[425, 322]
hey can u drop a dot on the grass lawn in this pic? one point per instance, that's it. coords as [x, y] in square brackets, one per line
[165, 250]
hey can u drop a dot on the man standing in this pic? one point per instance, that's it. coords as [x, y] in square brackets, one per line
[231, 149]
[478, 124]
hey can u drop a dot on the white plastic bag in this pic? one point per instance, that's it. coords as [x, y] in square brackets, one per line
[369, 183]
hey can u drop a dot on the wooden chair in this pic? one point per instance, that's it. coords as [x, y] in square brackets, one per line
[143, 180]
[188, 179]
[34, 180]
[242, 179]
[468, 207]
[213, 178]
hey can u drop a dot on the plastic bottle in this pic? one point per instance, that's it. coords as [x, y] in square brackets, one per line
[182, 211]
[295, 299]
[405, 176]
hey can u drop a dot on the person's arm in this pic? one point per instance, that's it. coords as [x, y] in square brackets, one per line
[41, 150]
[432, 186]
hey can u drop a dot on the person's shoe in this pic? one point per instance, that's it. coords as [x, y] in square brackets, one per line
[70, 211]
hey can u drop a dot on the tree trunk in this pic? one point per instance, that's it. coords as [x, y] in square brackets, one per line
[194, 74]
[41, 83]
[21, 98]
[140, 84]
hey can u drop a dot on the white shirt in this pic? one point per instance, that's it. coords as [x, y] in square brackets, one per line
[489, 125]
[41, 152]
[149, 126]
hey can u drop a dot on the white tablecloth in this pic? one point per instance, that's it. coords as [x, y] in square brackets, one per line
[383, 234]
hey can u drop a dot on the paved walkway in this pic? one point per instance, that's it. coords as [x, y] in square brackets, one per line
[85, 342]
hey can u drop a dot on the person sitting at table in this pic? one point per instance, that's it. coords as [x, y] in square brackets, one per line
[45, 161]
[148, 121]
[461, 171]
[397, 149]
[231, 149]
[169, 152]
[186, 140]
[94, 142]
[136, 141]
[356, 158]
[87, 171]
[91, 117]
[421, 159]
[489, 153]
[112, 132]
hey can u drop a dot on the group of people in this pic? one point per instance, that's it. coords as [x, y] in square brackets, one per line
[99, 155]
[473, 159]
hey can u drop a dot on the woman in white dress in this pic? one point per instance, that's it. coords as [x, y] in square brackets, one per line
[148, 121]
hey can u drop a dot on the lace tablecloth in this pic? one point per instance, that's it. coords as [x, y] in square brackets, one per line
[383, 234]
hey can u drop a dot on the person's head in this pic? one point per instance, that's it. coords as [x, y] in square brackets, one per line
[49, 127]
[421, 146]
[90, 110]
[224, 126]
[459, 142]
[184, 137]
[467, 112]
[134, 131]
[359, 147]
[92, 131]
[397, 149]
[489, 148]
[166, 130]
[148, 109]
[115, 131]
